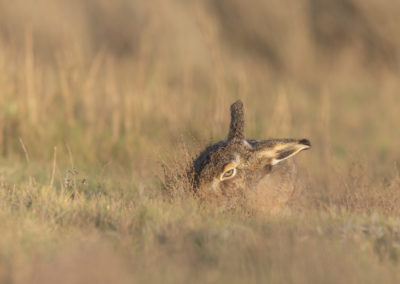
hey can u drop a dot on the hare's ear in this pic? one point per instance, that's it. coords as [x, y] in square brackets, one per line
[236, 130]
[284, 149]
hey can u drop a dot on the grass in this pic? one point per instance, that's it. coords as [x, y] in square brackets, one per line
[129, 236]
[95, 98]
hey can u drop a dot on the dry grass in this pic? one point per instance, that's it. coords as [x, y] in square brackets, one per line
[95, 95]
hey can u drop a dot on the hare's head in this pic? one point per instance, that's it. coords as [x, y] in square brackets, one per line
[235, 164]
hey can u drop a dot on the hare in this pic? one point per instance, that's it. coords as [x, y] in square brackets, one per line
[246, 169]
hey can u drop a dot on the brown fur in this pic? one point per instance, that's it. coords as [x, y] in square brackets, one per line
[259, 177]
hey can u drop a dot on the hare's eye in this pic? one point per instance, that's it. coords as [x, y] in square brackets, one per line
[228, 174]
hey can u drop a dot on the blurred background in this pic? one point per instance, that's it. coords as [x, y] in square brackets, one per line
[124, 82]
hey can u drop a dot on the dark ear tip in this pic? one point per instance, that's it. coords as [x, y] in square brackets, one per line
[305, 142]
[237, 105]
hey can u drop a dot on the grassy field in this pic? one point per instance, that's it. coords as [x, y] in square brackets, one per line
[96, 96]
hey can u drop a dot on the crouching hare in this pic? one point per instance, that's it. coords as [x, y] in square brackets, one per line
[239, 169]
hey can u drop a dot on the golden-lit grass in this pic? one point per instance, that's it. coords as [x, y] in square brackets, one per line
[97, 96]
